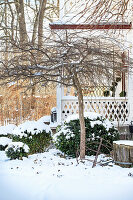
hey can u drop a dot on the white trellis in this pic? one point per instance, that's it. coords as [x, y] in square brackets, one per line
[114, 108]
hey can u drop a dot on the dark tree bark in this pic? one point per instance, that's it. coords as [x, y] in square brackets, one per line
[40, 22]
[21, 20]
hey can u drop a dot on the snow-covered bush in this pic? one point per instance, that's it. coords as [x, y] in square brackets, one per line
[67, 139]
[4, 141]
[7, 130]
[45, 119]
[35, 134]
[17, 150]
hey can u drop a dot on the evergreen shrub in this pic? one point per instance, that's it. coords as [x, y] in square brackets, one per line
[37, 142]
[67, 139]
[35, 134]
[17, 150]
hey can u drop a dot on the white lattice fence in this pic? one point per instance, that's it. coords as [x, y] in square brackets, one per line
[115, 109]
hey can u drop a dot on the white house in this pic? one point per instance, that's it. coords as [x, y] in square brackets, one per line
[73, 16]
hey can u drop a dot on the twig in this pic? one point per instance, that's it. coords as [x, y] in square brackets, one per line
[95, 160]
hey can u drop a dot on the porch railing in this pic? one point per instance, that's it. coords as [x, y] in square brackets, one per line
[113, 108]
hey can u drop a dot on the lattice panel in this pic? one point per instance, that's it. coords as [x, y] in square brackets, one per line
[93, 91]
[114, 109]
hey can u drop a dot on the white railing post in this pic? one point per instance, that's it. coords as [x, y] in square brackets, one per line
[129, 41]
[60, 88]
[130, 76]
[130, 93]
[58, 102]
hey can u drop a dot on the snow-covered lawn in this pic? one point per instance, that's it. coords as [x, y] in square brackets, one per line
[48, 176]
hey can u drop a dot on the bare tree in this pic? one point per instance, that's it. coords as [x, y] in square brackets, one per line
[23, 22]
[95, 11]
[76, 61]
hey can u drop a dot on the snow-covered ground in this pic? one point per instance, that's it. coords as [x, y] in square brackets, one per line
[48, 176]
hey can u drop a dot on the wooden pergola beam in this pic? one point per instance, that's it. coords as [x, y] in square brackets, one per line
[91, 26]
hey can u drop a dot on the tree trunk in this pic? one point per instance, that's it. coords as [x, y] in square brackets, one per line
[33, 99]
[35, 29]
[40, 23]
[81, 117]
[21, 20]
[82, 124]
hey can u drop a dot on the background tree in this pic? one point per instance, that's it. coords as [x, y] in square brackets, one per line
[24, 23]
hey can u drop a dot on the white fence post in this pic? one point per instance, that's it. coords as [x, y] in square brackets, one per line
[59, 94]
[60, 88]
[130, 94]
[130, 76]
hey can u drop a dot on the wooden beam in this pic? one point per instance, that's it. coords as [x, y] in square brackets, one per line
[91, 26]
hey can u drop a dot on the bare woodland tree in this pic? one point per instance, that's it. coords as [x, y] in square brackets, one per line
[74, 60]
[23, 22]
[24, 19]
